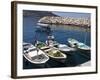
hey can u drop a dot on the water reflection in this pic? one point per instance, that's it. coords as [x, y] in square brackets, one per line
[63, 32]
[69, 27]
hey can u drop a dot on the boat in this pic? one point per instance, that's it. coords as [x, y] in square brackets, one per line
[42, 27]
[64, 48]
[43, 24]
[82, 46]
[51, 42]
[34, 55]
[56, 55]
[79, 45]
[72, 42]
[42, 45]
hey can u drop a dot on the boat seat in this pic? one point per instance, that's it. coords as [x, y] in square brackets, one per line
[45, 47]
[48, 49]
[39, 58]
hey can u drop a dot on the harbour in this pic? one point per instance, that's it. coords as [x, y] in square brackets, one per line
[61, 34]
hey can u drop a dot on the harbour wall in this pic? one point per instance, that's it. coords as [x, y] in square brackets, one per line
[65, 21]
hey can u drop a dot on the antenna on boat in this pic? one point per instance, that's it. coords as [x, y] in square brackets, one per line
[85, 37]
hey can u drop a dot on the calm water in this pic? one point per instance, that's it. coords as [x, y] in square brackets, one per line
[73, 14]
[61, 33]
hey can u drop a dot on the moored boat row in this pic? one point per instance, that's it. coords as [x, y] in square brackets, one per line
[42, 52]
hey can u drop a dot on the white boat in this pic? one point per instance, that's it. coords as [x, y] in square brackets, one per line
[51, 42]
[76, 44]
[42, 27]
[72, 42]
[65, 48]
[32, 55]
[43, 24]
[82, 46]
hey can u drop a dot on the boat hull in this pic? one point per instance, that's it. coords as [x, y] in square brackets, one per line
[61, 60]
[27, 63]
[65, 49]
[84, 47]
[84, 51]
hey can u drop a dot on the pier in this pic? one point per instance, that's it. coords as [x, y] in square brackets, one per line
[65, 21]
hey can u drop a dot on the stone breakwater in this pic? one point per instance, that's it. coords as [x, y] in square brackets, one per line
[65, 21]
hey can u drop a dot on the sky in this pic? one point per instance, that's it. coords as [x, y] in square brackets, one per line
[73, 14]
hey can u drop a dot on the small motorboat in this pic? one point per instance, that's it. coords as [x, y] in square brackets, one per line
[43, 24]
[34, 55]
[79, 45]
[72, 42]
[42, 45]
[51, 42]
[82, 46]
[55, 54]
[43, 27]
[65, 48]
